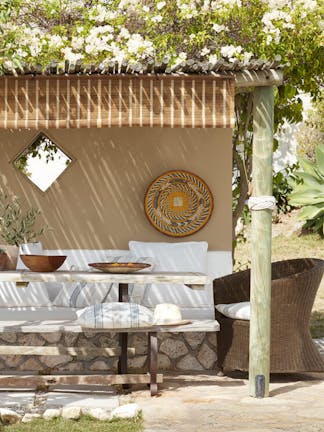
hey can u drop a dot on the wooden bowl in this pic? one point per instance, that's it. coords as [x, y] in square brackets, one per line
[43, 263]
[117, 267]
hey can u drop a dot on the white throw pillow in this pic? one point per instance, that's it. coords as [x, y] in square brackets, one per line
[82, 294]
[115, 316]
[176, 257]
[35, 294]
[235, 310]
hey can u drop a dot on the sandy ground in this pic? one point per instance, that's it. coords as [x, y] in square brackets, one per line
[208, 403]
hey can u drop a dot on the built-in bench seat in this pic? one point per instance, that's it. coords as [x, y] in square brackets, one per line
[33, 380]
[195, 305]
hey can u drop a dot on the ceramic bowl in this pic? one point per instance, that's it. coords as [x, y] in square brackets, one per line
[43, 263]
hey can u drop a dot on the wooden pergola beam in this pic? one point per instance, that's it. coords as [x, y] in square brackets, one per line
[251, 78]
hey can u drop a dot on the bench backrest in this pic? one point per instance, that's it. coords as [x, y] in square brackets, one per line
[194, 304]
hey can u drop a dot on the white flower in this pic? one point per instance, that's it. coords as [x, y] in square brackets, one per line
[56, 41]
[146, 9]
[77, 42]
[157, 18]
[139, 46]
[219, 28]
[161, 5]
[247, 56]
[124, 33]
[8, 64]
[204, 52]
[277, 4]
[231, 51]
[21, 53]
[70, 55]
[212, 58]
[179, 59]
[268, 39]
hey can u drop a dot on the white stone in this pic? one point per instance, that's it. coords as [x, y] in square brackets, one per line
[28, 417]
[139, 341]
[97, 413]
[108, 401]
[137, 362]
[72, 367]
[100, 365]
[31, 364]
[53, 361]
[207, 357]
[126, 411]
[189, 363]
[194, 339]
[9, 416]
[164, 362]
[71, 412]
[173, 348]
[51, 413]
[8, 337]
[13, 361]
[212, 338]
[52, 337]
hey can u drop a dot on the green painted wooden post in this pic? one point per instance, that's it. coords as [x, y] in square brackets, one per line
[259, 360]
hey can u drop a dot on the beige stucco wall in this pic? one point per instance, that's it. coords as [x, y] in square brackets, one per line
[98, 201]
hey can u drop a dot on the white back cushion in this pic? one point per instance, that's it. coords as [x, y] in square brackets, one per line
[186, 257]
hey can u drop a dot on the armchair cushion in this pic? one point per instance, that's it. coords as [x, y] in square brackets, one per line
[235, 310]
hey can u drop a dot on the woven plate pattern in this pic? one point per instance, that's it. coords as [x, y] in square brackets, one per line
[178, 203]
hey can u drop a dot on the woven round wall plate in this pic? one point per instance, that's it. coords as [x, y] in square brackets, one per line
[178, 203]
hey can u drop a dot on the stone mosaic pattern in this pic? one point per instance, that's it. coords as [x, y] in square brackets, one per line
[177, 352]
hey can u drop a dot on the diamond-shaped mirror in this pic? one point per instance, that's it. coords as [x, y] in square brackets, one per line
[42, 162]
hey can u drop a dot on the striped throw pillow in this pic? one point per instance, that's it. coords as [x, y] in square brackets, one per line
[115, 316]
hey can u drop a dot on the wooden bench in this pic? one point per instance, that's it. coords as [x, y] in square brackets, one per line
[33, 380]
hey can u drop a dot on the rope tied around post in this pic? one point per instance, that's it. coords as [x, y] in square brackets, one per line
[263, 202]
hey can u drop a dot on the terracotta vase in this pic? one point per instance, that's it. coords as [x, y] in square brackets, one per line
[11, 255]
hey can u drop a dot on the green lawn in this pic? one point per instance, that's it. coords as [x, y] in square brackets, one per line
[85, 424]
[307, 245]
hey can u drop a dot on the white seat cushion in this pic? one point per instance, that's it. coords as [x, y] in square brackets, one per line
[38, 314]
[235, 310]
[180, 257]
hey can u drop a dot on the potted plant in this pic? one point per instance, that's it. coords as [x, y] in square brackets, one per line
[16, 227]
[3, 259]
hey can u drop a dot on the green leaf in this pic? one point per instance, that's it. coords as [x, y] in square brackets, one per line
[309, 180]
[320, 158]
[309, 167]
[311, 212]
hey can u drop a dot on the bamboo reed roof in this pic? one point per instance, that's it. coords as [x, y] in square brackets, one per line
[149, 66]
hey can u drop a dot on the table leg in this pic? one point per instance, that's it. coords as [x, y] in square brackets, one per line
[123, 337]
[153, 362]
[123, 295]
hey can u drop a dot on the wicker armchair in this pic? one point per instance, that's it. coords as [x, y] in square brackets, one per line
[293, 289]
